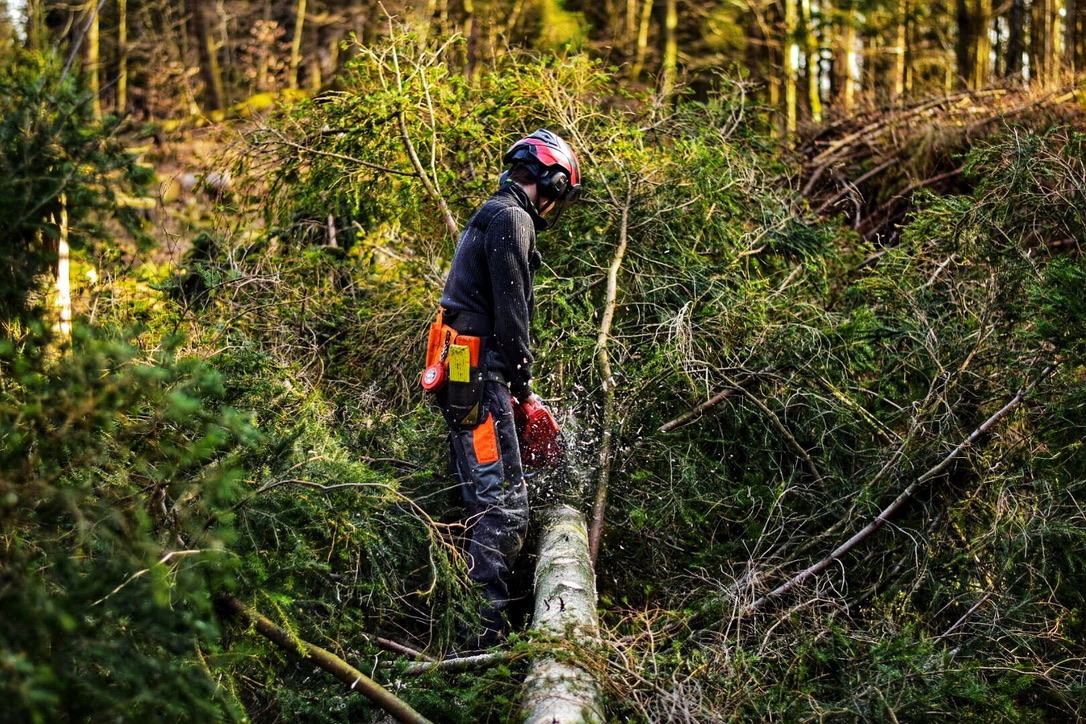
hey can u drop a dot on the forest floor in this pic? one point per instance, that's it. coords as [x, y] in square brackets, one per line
[193, 181]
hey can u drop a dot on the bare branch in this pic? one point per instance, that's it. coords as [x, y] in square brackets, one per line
[427, 182]
[356, 681]
[458, 663]
[907, 494]
[603, 361]
[709, 404]
[282, 140]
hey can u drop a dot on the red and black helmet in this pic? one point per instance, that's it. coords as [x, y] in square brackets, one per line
[554, 165]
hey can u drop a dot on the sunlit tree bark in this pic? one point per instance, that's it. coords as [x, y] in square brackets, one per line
[1043, 56]
[122, 57]
[671, 47]
[91, 56]
[63, 300]
[471, 35]
[789, 67]
[845, 59]
[642, 40]
[296, 43]
[813, 59]
[900, 82]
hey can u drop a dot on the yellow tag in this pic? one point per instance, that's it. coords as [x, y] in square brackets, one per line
[459, 363]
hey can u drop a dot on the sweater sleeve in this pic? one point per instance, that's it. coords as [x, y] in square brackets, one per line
[508, 247]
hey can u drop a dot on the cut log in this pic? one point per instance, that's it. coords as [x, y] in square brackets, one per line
[561, 692]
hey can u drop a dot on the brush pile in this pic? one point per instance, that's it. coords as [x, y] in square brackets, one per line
[869, 166]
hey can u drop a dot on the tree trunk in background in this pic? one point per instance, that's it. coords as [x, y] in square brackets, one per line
[671, 48]
[642, 40]
[1016, 34]
[974, 43]
[63, 327]
[557, 692]
[122, 57]
[813, 62]
[296, 44]
[210, 72]
[844, 62]
[35, 30]
[471, 36]
[789, 71]
[91, 56]
[1075, 29]
[899, 82]
[1042, 45]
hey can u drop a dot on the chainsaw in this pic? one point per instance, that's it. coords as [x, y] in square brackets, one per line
[538, 433]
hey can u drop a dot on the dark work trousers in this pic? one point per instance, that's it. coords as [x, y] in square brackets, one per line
[486, 463]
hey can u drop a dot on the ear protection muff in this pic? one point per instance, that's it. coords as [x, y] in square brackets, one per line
[553, 183]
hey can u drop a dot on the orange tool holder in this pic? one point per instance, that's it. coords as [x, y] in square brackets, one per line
[442, 337]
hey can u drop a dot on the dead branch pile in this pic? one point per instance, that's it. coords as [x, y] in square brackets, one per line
[869, 165]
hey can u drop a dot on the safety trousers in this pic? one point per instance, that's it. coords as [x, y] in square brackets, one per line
[486, 463]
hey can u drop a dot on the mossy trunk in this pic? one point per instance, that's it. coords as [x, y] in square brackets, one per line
[561, 692]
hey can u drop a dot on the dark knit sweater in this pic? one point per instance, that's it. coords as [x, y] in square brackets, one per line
[491, 281]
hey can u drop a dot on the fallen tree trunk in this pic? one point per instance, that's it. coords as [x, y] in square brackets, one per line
[561, 692]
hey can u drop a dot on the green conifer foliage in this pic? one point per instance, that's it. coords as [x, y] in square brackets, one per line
[55, 160]
[115, 493]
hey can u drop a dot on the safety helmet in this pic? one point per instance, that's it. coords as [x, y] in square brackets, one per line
[554, 165]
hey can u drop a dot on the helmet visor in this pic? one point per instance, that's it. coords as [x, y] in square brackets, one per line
[559, 205]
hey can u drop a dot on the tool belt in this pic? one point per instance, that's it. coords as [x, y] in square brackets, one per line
[455, 373]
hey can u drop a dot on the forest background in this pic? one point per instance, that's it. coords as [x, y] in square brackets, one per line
[815, 334]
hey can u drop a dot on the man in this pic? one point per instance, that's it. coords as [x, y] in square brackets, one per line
[489, 294]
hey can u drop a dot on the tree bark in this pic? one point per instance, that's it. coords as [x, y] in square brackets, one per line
[788, 69]
[296, 44]
[642, 40]
[122, 57]
[561, 692]
[974, 45]
[844, 62]
[814, 62]
[901, 52]
[92, 58]
[671, 48]
[1074, 54]
[1042, 46]
[64, 277]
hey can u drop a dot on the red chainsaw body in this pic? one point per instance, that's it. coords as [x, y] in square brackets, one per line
[539, 432]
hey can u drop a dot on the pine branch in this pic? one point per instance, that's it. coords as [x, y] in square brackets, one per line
[337, 667]
[906, 495]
